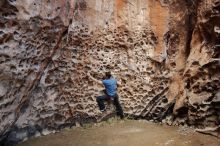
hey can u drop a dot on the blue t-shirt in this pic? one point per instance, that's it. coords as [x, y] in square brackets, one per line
[110, 86]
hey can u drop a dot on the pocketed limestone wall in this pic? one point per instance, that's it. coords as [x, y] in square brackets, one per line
[164, 53]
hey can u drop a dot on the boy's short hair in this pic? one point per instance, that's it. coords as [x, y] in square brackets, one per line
[108, 75]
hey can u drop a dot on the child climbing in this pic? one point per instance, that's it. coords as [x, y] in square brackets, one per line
[110, 93]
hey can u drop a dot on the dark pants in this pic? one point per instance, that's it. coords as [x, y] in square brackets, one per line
[101, 99]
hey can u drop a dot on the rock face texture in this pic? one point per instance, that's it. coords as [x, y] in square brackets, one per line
[165, 53]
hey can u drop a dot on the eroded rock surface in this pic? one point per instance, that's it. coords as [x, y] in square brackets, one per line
[165, 54]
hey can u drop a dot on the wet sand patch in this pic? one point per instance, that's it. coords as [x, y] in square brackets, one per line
[125, 133]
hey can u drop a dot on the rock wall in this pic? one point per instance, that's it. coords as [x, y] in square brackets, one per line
[165, 54]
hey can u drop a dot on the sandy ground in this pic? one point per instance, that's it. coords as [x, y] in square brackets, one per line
[125, 133]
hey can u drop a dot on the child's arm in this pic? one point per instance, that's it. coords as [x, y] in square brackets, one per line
[95, 80]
